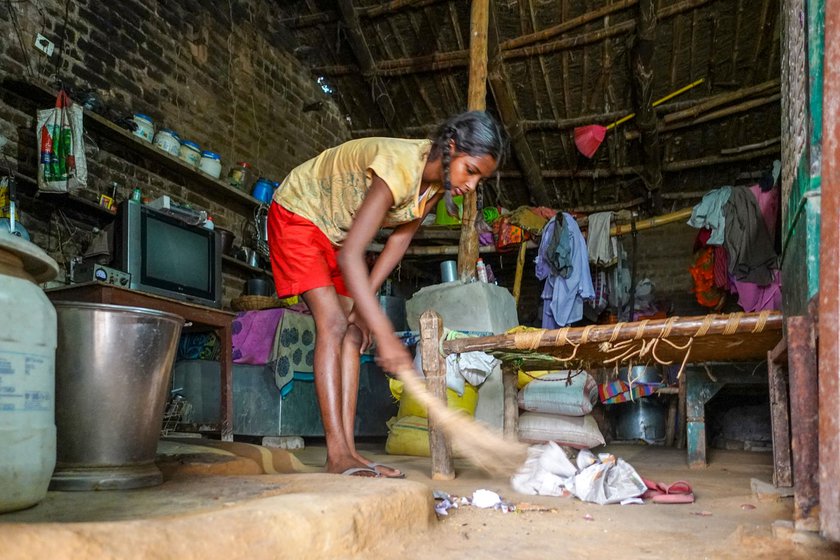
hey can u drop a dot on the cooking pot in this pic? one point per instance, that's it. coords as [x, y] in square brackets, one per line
[259, 286]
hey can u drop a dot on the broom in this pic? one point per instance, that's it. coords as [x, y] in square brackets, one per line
[588, 138]
[483, 447]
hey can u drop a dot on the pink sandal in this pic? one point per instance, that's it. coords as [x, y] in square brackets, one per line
[679, 492]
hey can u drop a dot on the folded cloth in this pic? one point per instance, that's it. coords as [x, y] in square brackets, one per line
[620, 391]
[253, 335]
[293, 352]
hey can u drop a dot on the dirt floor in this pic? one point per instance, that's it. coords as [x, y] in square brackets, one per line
[726, 521]
[245, 501]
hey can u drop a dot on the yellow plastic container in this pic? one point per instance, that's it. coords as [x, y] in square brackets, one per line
[442, 217]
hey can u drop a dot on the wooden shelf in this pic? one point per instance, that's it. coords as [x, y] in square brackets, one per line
[242, 265]
[220, 191]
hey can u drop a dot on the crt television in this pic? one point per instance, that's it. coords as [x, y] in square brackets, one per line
[168, 257]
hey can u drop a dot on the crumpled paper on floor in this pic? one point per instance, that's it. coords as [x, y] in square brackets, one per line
[601, 480]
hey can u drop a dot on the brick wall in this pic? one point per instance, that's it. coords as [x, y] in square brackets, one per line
[219, 73]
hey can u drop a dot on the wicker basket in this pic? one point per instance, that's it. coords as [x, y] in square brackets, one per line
[253, 303]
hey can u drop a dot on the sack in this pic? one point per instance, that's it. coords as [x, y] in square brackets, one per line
[467, 402]
[551, 394]
[61, 161]
[580, 432]
[408, 436]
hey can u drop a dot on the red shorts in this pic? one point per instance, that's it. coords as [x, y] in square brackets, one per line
[302, 257]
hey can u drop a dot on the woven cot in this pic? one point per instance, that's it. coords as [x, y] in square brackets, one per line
[676, 340]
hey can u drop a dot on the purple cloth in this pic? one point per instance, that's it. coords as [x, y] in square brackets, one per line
[253, 335]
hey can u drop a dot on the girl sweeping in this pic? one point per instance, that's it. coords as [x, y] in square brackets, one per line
[320, 223]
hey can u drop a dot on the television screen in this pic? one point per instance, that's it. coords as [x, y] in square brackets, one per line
[176, 257]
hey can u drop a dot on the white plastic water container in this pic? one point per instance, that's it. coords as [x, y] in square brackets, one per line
[27, 374]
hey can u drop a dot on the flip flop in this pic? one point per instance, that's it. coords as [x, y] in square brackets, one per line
[679, 492]
[363, 472]
[399, 474]
[653, 490]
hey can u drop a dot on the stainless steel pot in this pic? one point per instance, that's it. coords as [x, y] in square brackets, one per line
[113, 367]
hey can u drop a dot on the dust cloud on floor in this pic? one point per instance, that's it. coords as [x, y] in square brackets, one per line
[726, 521]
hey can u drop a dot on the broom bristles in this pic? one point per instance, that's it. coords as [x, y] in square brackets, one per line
[483, 447]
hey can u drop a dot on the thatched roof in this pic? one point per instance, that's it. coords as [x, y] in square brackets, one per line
[400, 67]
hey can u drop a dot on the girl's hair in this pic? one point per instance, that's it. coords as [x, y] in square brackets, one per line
[475, 133]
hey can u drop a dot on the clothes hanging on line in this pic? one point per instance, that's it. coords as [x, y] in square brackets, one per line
[563, 296]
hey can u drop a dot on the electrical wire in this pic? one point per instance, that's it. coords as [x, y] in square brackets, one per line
[16, 23]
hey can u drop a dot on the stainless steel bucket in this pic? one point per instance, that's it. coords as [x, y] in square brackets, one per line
[113, 368]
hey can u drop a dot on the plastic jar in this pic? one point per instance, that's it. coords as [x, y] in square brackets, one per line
[27, 386]
[210, 163]
[239, 176]
[168, 141]
[263, 190]
[190, 152]
[145, 126]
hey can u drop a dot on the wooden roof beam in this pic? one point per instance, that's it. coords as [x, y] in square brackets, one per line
[460, 58]
[393, 7]
[642, 71]
[509, 114]
[367, 65]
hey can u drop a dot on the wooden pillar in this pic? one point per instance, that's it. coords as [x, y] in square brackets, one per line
[804, 422]
[780, 414]
[476, 101]
[434, 368]
[510, 379]
[829, 294]
[643, 89]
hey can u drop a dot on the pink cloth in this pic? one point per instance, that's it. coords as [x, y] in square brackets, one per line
[752, 297]
[253, 335]
[768, 203]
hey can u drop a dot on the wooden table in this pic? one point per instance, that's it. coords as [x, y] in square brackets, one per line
[198, 315]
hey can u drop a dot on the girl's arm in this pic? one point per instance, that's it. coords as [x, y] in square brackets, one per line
[396, 246]
[392, 355]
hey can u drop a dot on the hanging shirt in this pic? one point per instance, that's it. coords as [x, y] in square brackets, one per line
[709, 214]
[563, 297]
[328, 189]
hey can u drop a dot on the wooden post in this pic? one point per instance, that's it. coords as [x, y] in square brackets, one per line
[434, 368]
[829, 294]
[520, 266]
[510, 379]
[779, 414]
[643, 90]
[804, 422]
[476, 101]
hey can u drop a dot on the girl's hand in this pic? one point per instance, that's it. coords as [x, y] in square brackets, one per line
[392, 355]
[355, 319]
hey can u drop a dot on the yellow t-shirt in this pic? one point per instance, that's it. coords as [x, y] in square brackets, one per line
[329, 188]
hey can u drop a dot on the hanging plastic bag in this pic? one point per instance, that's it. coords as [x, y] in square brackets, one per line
[61, 163]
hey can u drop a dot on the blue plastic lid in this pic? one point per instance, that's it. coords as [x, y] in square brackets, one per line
[169, 131]
[191, 144]
[143, 117]
[210, 155]
[264, 181]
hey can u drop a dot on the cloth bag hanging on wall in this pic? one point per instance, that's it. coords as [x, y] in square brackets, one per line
[61, 148]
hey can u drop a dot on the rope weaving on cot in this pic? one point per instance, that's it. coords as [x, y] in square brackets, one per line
[638, 346]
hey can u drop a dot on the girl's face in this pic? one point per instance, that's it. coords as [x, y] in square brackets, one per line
[466, 171]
